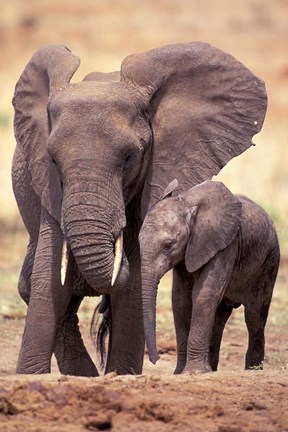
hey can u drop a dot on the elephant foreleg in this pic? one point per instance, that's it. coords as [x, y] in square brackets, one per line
[47, 303]
[182, 311]
[222, 314]
[126, 341]
[208, 290]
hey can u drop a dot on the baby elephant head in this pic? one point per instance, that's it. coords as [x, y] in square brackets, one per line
[191, 227]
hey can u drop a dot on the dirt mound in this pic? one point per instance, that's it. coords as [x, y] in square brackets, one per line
[223, 402]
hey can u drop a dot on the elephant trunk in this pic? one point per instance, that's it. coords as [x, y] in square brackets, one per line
[149, 298]
[95, 237]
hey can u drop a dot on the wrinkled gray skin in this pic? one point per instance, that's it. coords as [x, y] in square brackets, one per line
[224, 252]
[91, 158]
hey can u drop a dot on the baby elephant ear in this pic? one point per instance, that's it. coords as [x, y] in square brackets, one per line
[204, 106]
[169, 189]
[215, 223]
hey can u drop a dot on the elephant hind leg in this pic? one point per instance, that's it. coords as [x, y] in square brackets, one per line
[71, 354]
[255, 321]
[255, 318]
[24, 283]
[30, 209]
[99, 331]
[221, 317]
[256, 313]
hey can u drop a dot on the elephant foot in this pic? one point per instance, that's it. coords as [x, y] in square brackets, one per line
[179, 368]
[84, 367]
[254, 366]
[196, 369]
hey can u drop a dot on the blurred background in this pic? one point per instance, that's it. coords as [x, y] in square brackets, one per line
[103, 32]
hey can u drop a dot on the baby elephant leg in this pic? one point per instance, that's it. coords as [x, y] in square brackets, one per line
[182, 310]
[256, 313]
[255, 321]
[209, 286]
[222, 315]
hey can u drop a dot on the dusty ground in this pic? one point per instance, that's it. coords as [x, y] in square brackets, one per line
[146, 403]
[256, 32]
[229, 400]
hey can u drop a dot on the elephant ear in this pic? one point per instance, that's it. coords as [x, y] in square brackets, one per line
[215, 221]
[204, 108]
[169, 189]
[103, 76]
[49, 71]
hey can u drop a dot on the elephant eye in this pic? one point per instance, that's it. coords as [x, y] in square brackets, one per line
[168, 244]
[128, 156]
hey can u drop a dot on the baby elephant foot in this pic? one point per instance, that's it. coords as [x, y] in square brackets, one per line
[179, 367]
[196, 369]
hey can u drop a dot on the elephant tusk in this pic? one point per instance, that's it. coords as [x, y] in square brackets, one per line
[64, 262]
[117, 257]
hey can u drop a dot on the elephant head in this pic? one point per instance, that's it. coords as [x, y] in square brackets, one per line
[191, 227]
[95, 146]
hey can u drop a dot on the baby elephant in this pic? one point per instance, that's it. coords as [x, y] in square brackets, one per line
[224, 252]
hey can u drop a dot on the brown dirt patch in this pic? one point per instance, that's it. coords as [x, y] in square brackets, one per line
[229, 400]
[224, 402]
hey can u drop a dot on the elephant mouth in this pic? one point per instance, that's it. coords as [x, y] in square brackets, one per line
[118, 252]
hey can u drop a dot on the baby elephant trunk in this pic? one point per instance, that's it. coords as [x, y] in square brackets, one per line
[149, 298]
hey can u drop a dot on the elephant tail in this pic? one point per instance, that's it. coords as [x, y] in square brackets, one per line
[100, 328]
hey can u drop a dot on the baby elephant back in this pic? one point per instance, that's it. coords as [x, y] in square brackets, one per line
[258, 230]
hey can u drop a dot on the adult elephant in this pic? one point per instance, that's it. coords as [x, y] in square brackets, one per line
[91, 158]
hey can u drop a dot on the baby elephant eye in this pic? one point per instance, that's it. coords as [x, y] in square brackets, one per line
[128, 156]
[168, 244]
